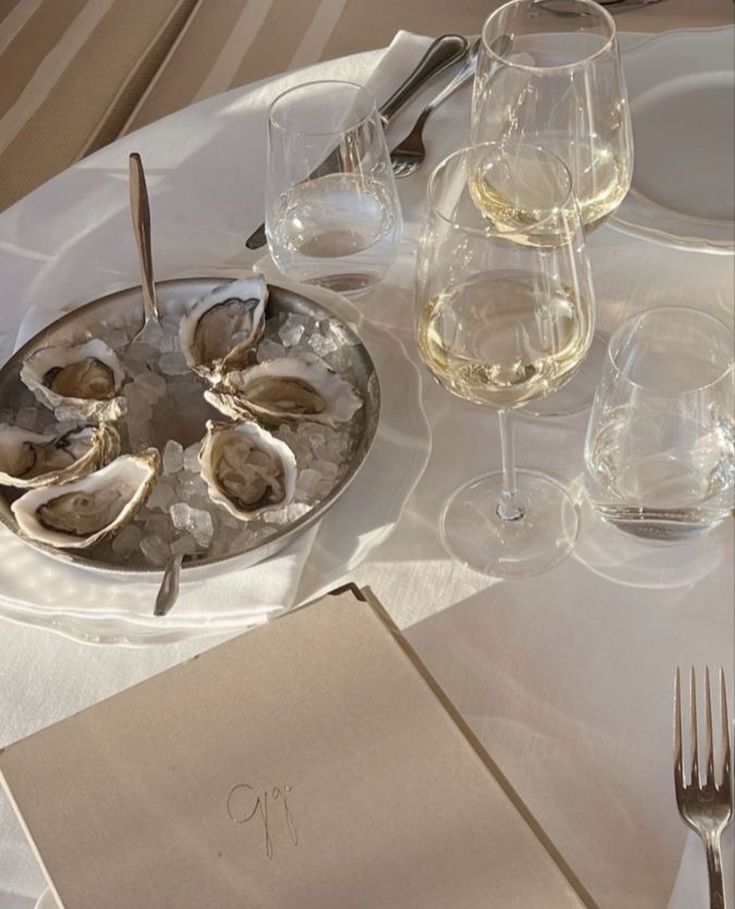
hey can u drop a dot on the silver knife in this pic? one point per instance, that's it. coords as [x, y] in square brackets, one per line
[440, 55]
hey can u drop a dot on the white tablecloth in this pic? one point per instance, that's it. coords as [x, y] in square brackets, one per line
[567, 677]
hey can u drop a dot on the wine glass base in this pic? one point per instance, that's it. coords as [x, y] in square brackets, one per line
[578, 393]
[475, 535]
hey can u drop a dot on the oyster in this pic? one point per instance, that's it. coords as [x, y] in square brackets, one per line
[79, 514]
[80, 382]
[288, 388]
[219, 331]
[246, 469]
[29, 459]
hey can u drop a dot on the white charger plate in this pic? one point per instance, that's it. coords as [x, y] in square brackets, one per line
[680, 87]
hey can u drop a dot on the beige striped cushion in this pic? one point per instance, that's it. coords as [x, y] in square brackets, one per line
[232, 42]
[71, 71]
[228, 43]
[74, 74]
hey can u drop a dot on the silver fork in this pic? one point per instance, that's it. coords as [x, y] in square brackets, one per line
[705, 807]
[409, 154]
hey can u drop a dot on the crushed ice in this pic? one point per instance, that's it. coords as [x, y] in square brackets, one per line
[179, 516]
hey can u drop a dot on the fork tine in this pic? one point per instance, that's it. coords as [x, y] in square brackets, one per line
[708, 721]
[725, 780]
[693, 726]
[678, 763]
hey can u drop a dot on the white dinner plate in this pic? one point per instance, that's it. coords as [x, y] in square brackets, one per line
[680, 87]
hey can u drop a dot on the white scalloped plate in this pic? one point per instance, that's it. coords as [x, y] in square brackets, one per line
[680, 86]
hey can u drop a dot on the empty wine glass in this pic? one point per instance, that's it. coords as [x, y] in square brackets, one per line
[505, 315]
[660, 450]
[550, 74]
[332, 211]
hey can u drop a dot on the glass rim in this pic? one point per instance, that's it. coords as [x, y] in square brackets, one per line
[558, 68]
[491, 230]
[360, 90]
[662, 310]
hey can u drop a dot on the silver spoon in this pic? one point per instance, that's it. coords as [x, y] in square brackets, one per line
[140, 210]
[168, 592]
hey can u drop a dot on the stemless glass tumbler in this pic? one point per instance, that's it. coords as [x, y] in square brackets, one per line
[332, 212]
[660, 450]
[505, 314]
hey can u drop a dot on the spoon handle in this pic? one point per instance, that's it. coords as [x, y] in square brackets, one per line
[466, 73]
[142, 223]
[441, 54]
[168, 592]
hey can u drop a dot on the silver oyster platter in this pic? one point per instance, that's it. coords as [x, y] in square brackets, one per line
[175, 416]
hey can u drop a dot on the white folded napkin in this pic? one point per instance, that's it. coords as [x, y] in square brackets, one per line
[691, 890]
[219, 598]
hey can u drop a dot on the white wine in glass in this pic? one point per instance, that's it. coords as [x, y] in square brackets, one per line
[504, 338]
[517, 191]
[550, 75]
[505, 316]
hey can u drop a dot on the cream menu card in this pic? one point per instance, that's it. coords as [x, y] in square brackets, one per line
[308, 764]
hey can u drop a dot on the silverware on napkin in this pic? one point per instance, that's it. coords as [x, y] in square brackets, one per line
[442, 53]
[705, 806]
[409, 154]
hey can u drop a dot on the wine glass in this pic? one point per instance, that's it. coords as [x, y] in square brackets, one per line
[550, 74]
[660, 451]
[332, 212]
[505, 315]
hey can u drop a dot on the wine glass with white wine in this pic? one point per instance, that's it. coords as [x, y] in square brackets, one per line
[550, 74]
[505, 315]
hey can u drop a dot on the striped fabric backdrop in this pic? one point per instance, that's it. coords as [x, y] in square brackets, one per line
[71, 73]
[231, 42]
[75, 74]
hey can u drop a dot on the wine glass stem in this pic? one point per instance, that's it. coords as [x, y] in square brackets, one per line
[509, 508]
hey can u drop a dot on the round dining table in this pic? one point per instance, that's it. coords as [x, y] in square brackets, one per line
[566, 677]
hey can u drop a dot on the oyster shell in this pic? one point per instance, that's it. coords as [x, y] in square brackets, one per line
[219, 331]
[246, 469]
[80, 382]
[288, 388]
[79, 514]
[29, 459]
